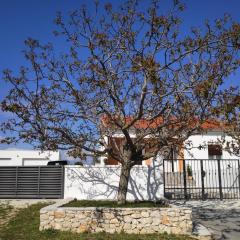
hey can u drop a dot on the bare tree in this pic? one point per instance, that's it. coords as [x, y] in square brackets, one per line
[123, 65]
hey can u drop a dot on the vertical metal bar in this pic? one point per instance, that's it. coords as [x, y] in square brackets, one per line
[185, 180]
[16, 182]
[202, 179]
[189, 183]
[39, 169]
[211, 178]
[192, 185]
[231, 180]
[213, 185]
[238, 178]
[227, 175]
[170, 178]
[63, 180]
[164, 187]
[194, 178]
[233, 184]
[224, 177]
[171, 157]
[220, 180]
[175, 176]
[227, 180]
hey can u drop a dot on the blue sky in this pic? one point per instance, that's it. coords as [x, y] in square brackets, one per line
[20, 19]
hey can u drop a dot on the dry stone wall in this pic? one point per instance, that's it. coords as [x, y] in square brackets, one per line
[130, 220]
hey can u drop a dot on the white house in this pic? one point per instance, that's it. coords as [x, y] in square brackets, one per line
[20, 157]
[203, 165]
[205, 145]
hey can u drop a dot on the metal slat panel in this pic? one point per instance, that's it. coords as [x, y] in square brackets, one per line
[31, 182]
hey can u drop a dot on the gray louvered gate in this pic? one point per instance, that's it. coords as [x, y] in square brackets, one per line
[32, 182]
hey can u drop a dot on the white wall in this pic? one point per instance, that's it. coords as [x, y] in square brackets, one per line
[27, 157]
[98, 182]
[205, 139]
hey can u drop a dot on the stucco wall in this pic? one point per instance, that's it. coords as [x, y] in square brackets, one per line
[203, 140]
[146, 183]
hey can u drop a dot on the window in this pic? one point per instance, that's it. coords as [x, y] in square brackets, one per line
[214, 151]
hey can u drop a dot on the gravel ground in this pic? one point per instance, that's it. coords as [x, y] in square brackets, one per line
[221, 218]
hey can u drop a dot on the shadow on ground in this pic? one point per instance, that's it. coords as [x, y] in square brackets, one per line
[222, 218]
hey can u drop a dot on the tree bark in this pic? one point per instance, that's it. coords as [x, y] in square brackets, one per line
[123, 183]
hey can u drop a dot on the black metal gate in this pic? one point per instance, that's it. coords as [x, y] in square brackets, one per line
[202, 179]
[32, 182]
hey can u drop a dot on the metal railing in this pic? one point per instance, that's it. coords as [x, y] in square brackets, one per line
[201, 178]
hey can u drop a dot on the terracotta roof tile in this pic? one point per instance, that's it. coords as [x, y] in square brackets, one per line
[210, 124]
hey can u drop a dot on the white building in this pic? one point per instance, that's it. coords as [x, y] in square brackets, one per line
[204, 146]
[20, 157]
[209, 144]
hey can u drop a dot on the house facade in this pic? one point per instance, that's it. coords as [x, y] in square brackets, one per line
[210, 144]
[203, 166]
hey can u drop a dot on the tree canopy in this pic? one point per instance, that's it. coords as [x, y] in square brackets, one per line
[126, 65]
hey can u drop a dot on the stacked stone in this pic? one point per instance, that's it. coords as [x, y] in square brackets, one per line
[111, 220]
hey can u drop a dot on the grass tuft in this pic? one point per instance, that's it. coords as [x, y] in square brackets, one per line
[114, 204]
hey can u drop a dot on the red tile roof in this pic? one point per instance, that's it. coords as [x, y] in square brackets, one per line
[210, 124]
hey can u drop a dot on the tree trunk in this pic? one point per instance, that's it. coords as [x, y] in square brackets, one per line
[123, 184]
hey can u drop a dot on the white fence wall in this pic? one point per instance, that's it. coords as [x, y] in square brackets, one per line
[20, 157]
[146, 183]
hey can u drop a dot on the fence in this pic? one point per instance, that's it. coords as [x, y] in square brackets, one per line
[146, 183]
[178, 179]
[202, 179]
[32, 182]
